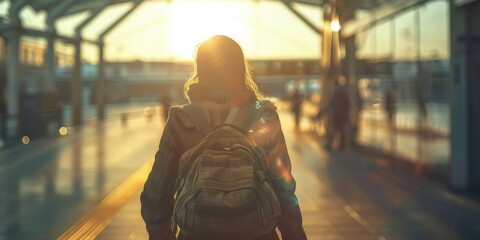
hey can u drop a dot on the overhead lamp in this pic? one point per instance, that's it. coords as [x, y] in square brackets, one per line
[335, 25]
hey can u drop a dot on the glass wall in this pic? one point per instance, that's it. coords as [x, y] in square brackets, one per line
[403, 70]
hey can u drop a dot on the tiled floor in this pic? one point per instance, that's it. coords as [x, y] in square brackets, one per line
[48, 186]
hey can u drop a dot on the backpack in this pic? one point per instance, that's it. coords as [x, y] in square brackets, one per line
[224, 190]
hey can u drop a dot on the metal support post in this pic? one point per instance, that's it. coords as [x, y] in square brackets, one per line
[100, 87]
[13, 85]
[351, 61]
[328, 61]
[473, 61]
[459, 100]
[50, 61]
[465, 90]
[77, 84]
[13, 125]
[101, 84]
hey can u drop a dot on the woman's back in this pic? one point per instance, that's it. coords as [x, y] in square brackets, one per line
[221, 82]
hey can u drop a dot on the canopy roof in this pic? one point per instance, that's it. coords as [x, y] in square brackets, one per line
[89, 5]
[75, 7]
[61, 8]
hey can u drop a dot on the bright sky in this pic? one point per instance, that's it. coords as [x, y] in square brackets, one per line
[170, 31]
[159, 30]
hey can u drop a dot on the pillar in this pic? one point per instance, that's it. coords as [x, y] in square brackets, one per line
[355, 102]
[13, 86]
[100, 97]
[77, 86]
[465, 99]
[48, 84]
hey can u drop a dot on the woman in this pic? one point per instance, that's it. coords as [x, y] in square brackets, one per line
[221, 82]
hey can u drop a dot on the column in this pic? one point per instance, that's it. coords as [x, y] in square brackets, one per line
[77, 85]
[459, 99]
[100, 98]
[13, 79]
[351, 62]
[48, 84]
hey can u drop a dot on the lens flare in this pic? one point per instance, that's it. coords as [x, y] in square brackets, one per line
[63, 131]
[25, 140]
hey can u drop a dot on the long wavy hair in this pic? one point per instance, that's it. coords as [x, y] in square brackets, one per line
[219, 61]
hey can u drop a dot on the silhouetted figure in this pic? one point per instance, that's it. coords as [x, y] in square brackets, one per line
[296, 102]
[391, 109]
[420, 97]
[205, 207]
[339, 107]
[166, 102]
[390, 106]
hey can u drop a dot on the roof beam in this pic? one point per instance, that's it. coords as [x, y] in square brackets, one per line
[14, 10]
[93, 15]
[312, 26]
[44, 5]
[311, 3]
[91, 5]
[101, 37]
[56, 12]
[42, 34]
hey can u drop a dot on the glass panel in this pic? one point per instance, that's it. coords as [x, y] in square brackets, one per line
[382, 68]
[434, 78]
[403, 72]
[384, 40]
[32, 51]
[403, 94]
[365, 54]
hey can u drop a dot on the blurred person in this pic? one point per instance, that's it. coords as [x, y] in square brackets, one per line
[296, 103]
[338, 110]
[420, 97]
[391, 109]
[220, 90]
[165, 102]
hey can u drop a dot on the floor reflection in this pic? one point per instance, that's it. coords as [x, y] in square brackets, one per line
[47, 185]
[100, 176]
[77, 168]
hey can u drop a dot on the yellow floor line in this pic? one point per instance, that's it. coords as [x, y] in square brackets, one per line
[95, 221]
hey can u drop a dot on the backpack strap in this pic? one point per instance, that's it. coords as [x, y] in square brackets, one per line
[246, 117]
[255, 110]
[195, 111]
[231, 115]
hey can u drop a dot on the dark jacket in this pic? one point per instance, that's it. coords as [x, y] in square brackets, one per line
[180, 135]
[339, 107]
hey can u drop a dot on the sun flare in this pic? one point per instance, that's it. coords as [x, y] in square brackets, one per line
[189, 23]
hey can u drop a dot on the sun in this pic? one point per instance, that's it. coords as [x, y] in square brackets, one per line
[189, 23]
